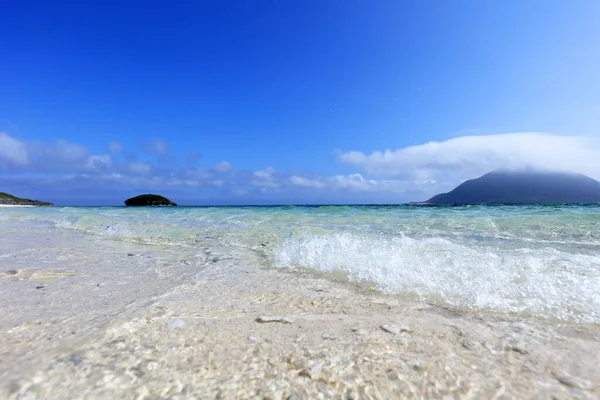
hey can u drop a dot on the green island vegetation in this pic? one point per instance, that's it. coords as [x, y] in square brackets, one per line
[9, 199]
[144, 200]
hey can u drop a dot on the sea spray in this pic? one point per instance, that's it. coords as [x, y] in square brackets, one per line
[543, 281]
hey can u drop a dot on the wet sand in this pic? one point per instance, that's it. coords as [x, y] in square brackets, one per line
[97, 319]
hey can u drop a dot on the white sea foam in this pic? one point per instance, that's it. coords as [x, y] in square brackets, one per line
[537, 260]
[544, 281]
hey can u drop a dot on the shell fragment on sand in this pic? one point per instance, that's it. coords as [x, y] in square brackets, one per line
[178, 323]
[396, 329]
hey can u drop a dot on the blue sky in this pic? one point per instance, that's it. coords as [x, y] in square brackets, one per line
[257, 102]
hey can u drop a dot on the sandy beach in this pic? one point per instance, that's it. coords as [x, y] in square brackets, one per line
[289, 200]
[77, 326]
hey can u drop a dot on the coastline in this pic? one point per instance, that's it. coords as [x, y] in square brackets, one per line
[16, 205]
[110, 332]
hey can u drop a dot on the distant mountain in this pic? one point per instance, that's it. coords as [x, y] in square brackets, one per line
[506, 187]
[9, 199]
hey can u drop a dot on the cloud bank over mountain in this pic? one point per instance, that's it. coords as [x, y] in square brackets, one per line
[469, 156]
[61, 170]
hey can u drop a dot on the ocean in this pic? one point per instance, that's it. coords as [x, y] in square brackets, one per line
[540, 262]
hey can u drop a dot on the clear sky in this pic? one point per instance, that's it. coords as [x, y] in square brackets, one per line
[258, 102]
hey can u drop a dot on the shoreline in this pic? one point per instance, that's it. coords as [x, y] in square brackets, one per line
[199, 334]
[16, 205]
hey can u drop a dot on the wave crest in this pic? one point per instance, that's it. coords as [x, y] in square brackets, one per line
[544, 282]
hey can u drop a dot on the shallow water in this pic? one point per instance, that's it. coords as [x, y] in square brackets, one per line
[539, 261]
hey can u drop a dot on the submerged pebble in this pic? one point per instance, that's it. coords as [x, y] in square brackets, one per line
[75, 359]
[517, 349]
[266, 319]
[573, 381]
[417, 365]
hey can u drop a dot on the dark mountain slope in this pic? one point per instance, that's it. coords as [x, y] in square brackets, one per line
[505, 187]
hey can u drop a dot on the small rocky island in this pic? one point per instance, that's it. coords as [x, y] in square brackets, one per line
[144, 200]
[10, 200]
[521, 187]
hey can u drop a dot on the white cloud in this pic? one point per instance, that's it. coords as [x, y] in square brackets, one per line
[62, 161]
[265, 183]
[265, 179]
[265, 173]
[300, 181]
[240, 192]
[470, 156]
[34, 156]
[406, 174]
[357, 183]
[96, 163]
[12, 150]
[140, 168]
[115, 147]
[223, 166]
[156, 147]
[65, 151]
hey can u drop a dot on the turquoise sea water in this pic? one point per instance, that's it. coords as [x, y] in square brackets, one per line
[542, 261]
